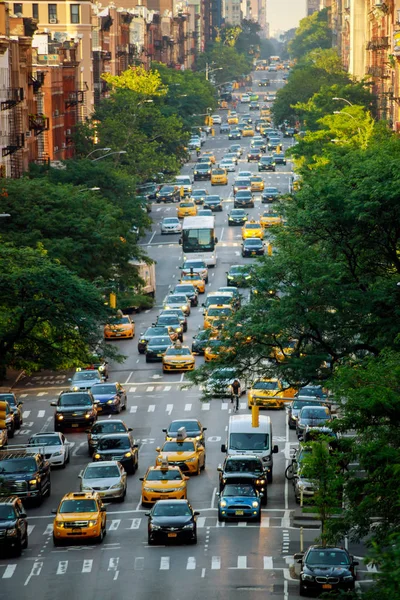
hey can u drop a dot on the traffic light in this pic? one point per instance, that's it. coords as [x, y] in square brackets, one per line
[113, 300]
[255, 413]
[3, 414]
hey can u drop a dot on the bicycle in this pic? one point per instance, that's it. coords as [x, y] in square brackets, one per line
[235, 401]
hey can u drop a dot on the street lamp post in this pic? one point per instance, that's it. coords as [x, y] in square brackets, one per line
[92, 189]
[344, 100]
[109, 154]
[5, 215]
[97, 150]
[208, 70]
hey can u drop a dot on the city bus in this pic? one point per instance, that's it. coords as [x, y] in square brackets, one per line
[198, 239]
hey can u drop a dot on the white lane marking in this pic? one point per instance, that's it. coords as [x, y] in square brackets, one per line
[242, 562]
[75, 452]
[164, 563]
[48, 530]
[242, 524]
[152, 237]
[26, 414]
[9, 572]
[182, 376]
[115, 523]
[188, 407]
[215, 563]
[42, 393]
[62, 567]
[30, 529]
[139, 563]
[87, 565]
[264, 521]
[205, 406]
[169, 408]
[224, 406]
[268, 564]
[222, 233]
[151, 408]
[129, 378]
[135, 524]
[23, 395]
[133, 409]
[41, 414]
[201, 522]
[167, 388]
[191, 563]
[35, 572]
[150, 388]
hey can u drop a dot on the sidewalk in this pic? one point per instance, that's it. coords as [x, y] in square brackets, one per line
[11, 379]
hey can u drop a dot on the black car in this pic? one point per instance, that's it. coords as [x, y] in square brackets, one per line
[279, 158]
[148, 334]
[156, 348]
[266, 163]
[118, 446]
[270, 194]
[248, 466]
[172, 520]
[148, 190]
[253, 247]
[174, 325]
[200, 341]
[13, 526]
[15, 406]
[214, 203]
[326, 569]
[296, 406]
[289, 132]
[239, 276]
[264, 82]
[311, 391]
[235, 134]
[102, 428]
[189, 290]
[273, 143]
[224, 128]
[199, 196]
[254, 154]
[25, 473]
[202, 172]
[237, 216]
[74, 410]
[193, 427]
[311, 416]
[168, 193]
[254, 106]
[243, 199]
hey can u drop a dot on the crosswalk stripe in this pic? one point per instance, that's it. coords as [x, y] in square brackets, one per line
[135, 524]
[268, 564]
[41, 413]
[151, 408]
[9, 572]
[242, 562]
[215, 563]
[23, 395]
[224, 406]
[115, 523]
[164, 563]
[26, 414]
[113, 564]
[205, 406]
[150, 388]
[201, 521]
[264, 521]
[139, 563]
[87, 565]
[133, 409]
[188, 407]
[191, 563]
[132, 389]
[62, 567]
[242, 524]
[243, 405]
[167, 388]
[42, 393]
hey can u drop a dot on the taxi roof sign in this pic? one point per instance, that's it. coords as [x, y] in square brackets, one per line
[181, 434]
[164, 464]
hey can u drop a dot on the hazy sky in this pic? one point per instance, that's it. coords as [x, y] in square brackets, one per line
[285, 14]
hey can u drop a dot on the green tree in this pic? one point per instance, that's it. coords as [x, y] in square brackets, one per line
[49, 317]
[227, 64]
[387, 580]
[313, 32]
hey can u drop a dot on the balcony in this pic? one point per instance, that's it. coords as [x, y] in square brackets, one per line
[17, 143]
[36, 81]
[378, 43]
[15, 96]
[378, 71]
[38, 123]
[76, 97]
[122, 50]
[106, 55]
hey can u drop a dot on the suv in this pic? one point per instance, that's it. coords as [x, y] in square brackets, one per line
[16, 407]
[74, 410]
[13, 525]
[25, 472]
[248, 466]
[326, 569]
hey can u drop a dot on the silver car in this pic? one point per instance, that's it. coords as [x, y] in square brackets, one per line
[54, 446]
[228, 165]
[177, 301]
[107, 478]
[83, 380]
[171, 225]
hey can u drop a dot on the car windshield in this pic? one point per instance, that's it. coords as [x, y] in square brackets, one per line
[85, 376]
[252, 226]
[8, 398]
[171, 221]
[120, 321]
[314, 412]
[191, 277]
[18, 465]
[243, 195]
[186, 204]
[299, 404]
[188, 425]
[159, 341]
[108, 427]
[239, 270]
[265, 385]
[243, 182]
[199, 193]
[243, 466]
[266, 159]
[249, 441]
[312, 390]
[178, 447]
[45, 440]
[218, 312]
[270, 213]
[178, 352]
[6, 513]
[109, 388]
[74, 400]
[120, 443]
[194, 264]
[270, 190]
[152, 331]
[240, 489]
[172, 321]
[253, 243]
[186, 289]
[167, 188]
[171, 510]
[167, 474]
[238, 213]
[327, 557]
[78, 506]
[97, 472]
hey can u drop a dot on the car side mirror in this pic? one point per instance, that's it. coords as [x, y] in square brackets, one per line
[158, 449]
[216, 240]
[180, 241]
[355, 563]
[54, 403]
[87, 430]
[53, 511]
[220, 469]
[103, 509]
[141, 478]
[204, 428]
[186, 478]
[20, 403]
[136, 445]
[130, 429]
[223, 447]
[275, 450]
[24, 516]
[164, 430]
[298, 556]
[147, 514]
[261, 495]
[196, 513]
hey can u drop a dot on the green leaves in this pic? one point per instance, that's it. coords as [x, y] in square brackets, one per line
[313, 32]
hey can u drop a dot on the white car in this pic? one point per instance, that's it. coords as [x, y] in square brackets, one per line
[107, 478]
[54, 446]
[219, 383]
[232, 156]
[227, 164]
[216, 119]
[244, 174]
[245, 99]
[171, 225]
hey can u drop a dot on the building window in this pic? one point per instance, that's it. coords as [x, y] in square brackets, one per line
[17, 8]
[35, 11]
[75, 13]
[52, 13]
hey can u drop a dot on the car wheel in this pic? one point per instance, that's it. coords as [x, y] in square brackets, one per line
[68, 458]
[150, 541]
[18, 424]
[90, 450]
[56, 542]
[269, 477]
[11, 433]
[264, 500]
[18, 549]
[48, 491]
[302, 591]
[64, 464]
[100, 538]
[220, 518]
[194, 539]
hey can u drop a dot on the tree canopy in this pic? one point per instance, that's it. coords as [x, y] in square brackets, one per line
[313, 32]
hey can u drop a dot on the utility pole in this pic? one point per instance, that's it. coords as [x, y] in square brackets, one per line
[207, 71]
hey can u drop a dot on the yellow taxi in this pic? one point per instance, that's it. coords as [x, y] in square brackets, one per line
[280, 354]
[216, 314]
[186, 453]
[120, 326]
[178, 358]
[269, 393]
[196, 280]
[187, 208]
[233, 119]
[252, 229]
[80, 515]
[163, 482]
[219, 177]
[264, 112]
[247, 131]
[269, 218]
[212, 351]
[256, 183]
[210, 155]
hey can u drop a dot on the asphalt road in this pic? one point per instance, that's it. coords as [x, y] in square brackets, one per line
[232, 561]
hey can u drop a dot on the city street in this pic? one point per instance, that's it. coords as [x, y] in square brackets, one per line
[235, 561]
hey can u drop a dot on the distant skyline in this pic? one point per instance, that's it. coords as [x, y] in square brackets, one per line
[284, 14]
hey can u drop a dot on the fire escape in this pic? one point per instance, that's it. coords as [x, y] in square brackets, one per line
[379, 70]
[38, 123]
[16, 140]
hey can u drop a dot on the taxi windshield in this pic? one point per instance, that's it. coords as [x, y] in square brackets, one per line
[78, 506]
[266, 385]
[222, 299]
[160, 475]
[178, 352]
[188, 425]
[238, 490]
[252, 226]
[178, 447]
[217, 312]
[186, 204]
[218, 172]
[120, 321]
[172, 320]
[176, 299]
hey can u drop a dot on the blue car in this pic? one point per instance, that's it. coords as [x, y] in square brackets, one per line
[109, 397]
[239, 501]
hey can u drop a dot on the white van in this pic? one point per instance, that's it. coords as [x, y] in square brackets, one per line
[243, 438]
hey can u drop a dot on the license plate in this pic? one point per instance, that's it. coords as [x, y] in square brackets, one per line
[239, 512]
[253, 253]
[172, 535]
[76, 530]
[159, 355]
[118, 334]
[326, 586]
[74, 425]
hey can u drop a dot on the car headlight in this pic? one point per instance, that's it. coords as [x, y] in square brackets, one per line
[97, 456]
[248, 277]
[184, 307]
[307, 577]
[11, 532]
[128, 454]
[112, 401]
[348, 578]
[58, 453]
[178, 329]
[255, 504]
[142, 341]
[116, 486]
[88, 415]
[191, 459]
[223, 503]
[230, 276]
[92, 523]
[189, 526]
[260, 481]
[60, 417]
[33, 482]
[154, 527]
